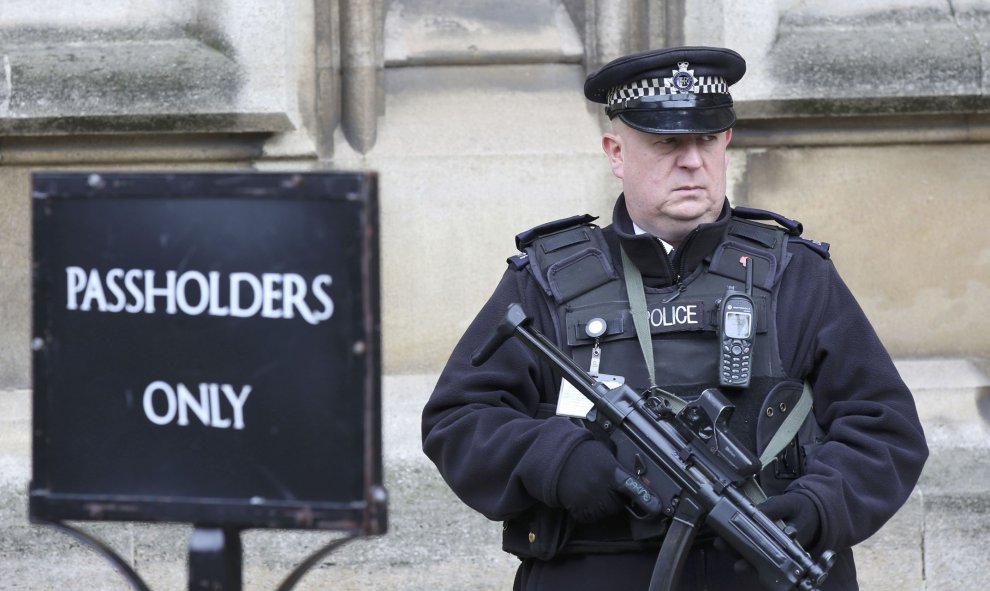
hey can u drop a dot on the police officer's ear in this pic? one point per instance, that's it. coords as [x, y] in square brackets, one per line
[612, 145]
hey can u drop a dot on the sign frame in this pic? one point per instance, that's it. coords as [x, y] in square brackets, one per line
[56, 499]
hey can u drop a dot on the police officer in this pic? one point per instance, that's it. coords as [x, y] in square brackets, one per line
[507, 436]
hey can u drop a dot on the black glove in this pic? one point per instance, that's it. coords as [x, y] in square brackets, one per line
[740, 565]
[797, 510]
[587, 485]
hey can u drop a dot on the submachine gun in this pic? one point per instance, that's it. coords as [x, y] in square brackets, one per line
[689, 459]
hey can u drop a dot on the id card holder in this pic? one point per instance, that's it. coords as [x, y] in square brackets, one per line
[572, 403]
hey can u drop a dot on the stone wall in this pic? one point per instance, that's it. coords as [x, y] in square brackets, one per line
[866, 121]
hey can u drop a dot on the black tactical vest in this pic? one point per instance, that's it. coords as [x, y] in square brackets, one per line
[572, 262]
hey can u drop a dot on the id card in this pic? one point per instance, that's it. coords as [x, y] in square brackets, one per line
[572, 403]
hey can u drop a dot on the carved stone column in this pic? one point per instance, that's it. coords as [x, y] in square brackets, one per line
[617, 27]
[361, 67]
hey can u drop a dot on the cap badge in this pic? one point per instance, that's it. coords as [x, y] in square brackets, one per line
[683, 79]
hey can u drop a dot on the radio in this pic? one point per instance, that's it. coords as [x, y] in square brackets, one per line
[736, 333]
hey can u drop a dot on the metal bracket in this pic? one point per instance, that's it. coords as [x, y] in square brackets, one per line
[215, 558]
[103, 550]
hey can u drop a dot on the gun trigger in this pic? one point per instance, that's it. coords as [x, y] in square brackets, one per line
[639, 465]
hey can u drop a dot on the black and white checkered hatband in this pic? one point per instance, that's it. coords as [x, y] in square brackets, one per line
[666, 87]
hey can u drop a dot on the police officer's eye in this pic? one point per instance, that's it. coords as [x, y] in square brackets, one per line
[708, 138]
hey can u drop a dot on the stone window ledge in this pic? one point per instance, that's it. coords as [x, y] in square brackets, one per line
[57, 82]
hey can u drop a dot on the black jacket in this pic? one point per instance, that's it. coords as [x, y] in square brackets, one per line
[479, 426]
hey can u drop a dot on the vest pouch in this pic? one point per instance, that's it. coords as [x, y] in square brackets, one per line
[579, 273]
[540, 532]
[790, 463]
[725, 262]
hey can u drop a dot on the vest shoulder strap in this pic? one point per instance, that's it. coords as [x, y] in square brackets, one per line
[524, 239]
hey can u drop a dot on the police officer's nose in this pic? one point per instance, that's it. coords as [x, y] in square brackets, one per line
[689, 154]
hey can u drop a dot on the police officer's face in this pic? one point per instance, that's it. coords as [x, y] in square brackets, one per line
[672, 183]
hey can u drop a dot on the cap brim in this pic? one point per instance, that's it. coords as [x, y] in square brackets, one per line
[680, 121]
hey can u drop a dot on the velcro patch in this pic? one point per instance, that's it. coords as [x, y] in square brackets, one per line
[676, 316]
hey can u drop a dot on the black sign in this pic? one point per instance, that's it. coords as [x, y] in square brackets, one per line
[207, 349]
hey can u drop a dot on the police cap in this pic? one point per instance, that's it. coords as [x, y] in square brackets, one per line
[672, 90]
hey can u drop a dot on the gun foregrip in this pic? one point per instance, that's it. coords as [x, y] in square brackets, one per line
[780, 562]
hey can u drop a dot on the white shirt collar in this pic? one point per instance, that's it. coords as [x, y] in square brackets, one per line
[666, 246]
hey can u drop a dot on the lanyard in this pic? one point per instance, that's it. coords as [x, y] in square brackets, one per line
[637, 307]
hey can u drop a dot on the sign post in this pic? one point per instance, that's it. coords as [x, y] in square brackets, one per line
[206, 349]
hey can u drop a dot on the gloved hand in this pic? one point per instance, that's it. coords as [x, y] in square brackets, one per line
[797, 510]
[740, 565]
[587, 485]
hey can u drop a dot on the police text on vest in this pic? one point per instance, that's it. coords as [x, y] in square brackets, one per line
[676, 315]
